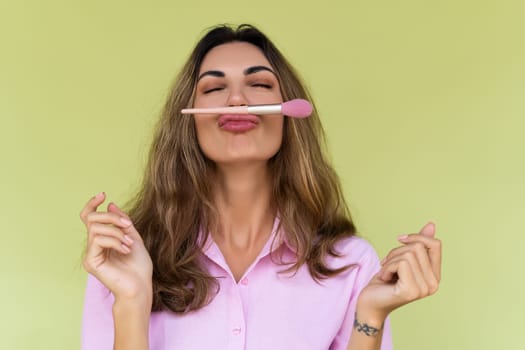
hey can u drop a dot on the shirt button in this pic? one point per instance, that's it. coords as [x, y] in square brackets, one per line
[244, 282]
[236, 331]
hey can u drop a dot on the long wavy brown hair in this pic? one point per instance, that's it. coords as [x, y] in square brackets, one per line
[175, 200]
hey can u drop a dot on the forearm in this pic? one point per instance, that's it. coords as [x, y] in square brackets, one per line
[131, 320]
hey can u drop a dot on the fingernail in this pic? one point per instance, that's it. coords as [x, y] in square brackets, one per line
[125, 221]
[128, 238]
[402, 237]
[100, 195]
[125, 248]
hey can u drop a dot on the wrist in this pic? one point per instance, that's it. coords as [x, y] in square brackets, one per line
[136, 306]
[370, 315]
[139, 295]
[367, 329]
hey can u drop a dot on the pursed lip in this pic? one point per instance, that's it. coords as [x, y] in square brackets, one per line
[226, 118]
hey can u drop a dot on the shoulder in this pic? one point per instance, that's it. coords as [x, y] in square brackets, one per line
[354, 250]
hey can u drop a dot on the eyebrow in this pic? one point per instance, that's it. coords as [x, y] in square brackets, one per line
[247, 71]
[255, 69]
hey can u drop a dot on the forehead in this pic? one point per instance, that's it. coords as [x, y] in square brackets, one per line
[233, 56]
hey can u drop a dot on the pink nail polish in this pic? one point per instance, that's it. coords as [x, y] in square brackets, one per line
[128, 239]
[125, 248]
[402, 237]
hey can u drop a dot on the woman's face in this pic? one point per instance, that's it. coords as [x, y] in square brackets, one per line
[237, 74]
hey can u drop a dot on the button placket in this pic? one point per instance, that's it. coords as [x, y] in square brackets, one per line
[236, 320]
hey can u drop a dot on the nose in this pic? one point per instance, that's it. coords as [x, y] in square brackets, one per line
[237, 98]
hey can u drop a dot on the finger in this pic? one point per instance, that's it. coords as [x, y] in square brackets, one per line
[408, 241]
[429, 230]
[395, 252]
[434, 250]
[113, 208]
[406, 287]
[99, 250]
[107, 218]
[110, 231]
[423, 258]
[417, 272]
[92, 205]
[105, 242]
[111, 243]
[417, 247]
[129, 230]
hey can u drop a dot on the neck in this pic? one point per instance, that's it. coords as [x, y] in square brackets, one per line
[243, 199]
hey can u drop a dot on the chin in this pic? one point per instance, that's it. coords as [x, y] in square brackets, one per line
[240, 159]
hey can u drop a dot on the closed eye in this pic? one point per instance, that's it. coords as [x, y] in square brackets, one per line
[266, 86]
[212, 90]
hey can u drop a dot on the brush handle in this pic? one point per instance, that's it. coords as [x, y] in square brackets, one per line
[254, 109]
[296, 108]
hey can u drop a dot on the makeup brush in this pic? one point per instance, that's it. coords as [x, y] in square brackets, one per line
[297, 108]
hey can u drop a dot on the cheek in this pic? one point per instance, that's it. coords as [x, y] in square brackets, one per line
[280, 130]
[274, 138]
[216, 99]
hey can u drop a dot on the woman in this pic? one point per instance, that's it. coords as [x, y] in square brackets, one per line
[240, 237]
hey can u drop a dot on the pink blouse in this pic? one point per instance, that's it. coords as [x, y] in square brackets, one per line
[264, 310]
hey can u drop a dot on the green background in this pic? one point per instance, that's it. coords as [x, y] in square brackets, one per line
[423, 102]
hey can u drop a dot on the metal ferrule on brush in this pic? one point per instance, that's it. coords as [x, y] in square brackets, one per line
[265, 109]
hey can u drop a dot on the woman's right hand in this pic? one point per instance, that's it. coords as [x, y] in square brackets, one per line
[116, 254]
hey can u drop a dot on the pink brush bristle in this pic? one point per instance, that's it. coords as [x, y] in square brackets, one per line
[297, 108]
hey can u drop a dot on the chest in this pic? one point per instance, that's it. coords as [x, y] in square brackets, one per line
[264, 310]
[238, 261]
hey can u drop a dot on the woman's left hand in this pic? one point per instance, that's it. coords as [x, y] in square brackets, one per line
[408, 273]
